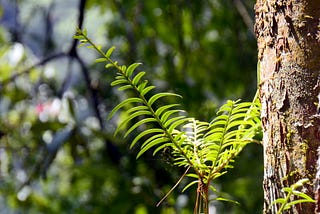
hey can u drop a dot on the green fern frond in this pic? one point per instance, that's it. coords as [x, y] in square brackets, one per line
[228, 133]
[206, 148]
[167, 117]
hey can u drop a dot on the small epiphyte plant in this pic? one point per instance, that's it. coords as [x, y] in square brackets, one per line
[292, 192]
[204, 149]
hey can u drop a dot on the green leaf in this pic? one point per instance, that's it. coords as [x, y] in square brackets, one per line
[300, 183]
[227, 200]
[81, 44]
[100, 60]
[290, 204]
[123, 103]
[109, 65]
[164, 108]
[142, 85]
[123, 68]
[144, 133]
[160, 147]
[167, 123]
[84, 32]
[192, 175]
[146, 90]
[279, 201]
[287, 189]
[217, 174]
[130, 117]
[109, 51]
[167, 114]
[177, 123]
[78, 37]
[119, 81]
[125, 87]
[131, 68]
[302, 195]
[120, 76]
[151, 144]
[190, 184]
[180, 138]
[141, 122]
[151, 138]
[137, 108]
[159, 95]
[137, 78]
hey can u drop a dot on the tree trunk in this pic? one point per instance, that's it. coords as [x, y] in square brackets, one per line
[288, 35]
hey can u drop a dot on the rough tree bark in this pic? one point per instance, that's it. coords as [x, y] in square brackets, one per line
[288, 35]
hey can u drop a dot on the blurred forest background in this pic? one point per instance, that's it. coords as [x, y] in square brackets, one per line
[57, 149]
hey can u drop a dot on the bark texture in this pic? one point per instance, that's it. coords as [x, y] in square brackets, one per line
[288, 35]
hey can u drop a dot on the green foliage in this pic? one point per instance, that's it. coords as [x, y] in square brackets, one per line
[55, 156]
[208, 148]
[299, 197]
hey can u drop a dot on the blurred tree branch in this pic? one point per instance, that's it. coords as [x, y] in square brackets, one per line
[72, 55]
[245, 15]
[129, 30]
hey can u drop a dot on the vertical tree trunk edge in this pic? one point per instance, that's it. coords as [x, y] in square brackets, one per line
[288, 38]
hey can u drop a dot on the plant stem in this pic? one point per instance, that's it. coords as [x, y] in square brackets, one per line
[202, 201]
[205, 200]
[284, 204]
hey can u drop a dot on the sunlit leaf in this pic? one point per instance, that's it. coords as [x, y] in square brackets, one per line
[119, 81]
[109, 51]
[137, 78]
[123, 103]
[141, 122]
[146, 90]
[144, 133]
[100, 60]
[227, 200]
[131, 117]
[131, 69]
[190, 184]
[153, 143]
[164, 117]
[158, 96]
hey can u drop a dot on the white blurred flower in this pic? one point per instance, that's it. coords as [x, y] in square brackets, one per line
[15, 54]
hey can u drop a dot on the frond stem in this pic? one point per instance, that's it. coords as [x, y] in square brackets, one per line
[170, 191]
